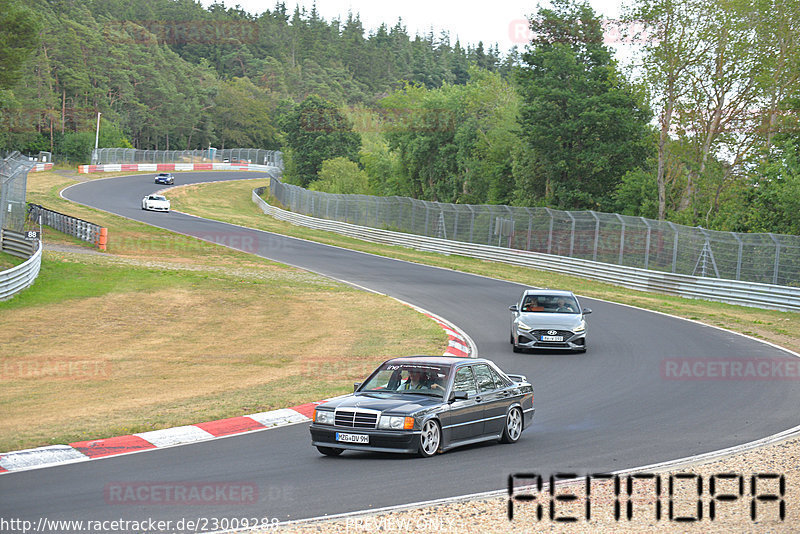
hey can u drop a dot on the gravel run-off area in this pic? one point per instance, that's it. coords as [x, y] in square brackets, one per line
[734, 503]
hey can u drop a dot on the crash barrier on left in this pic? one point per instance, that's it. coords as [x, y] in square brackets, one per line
[83, 230]
[22, 276]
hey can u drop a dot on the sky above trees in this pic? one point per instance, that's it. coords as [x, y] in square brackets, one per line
[502, 23]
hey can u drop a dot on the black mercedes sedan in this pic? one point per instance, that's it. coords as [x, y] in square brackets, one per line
[424, 405]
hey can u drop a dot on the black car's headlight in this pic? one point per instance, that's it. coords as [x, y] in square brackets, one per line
[396, 422]
[323, 417]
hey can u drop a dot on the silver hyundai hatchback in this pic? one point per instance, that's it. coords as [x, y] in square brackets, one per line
[548, 319]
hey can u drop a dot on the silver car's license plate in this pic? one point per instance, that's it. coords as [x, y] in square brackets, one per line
[352, 438]
[552, 338]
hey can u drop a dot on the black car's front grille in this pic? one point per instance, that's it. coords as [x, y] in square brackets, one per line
[356, 419]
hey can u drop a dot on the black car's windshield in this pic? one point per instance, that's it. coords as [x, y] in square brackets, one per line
[549, 304]
[417, 378]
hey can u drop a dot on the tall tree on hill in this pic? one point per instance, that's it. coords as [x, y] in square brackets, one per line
[242, 115]
[669, 52]
[19, 28]
[317, 131]
[721, 74]
[585, 122]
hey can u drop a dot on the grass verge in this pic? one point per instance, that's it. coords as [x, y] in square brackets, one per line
[166, 330]
[7, 261]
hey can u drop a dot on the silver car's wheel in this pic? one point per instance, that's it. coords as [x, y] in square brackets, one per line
[513, 428]
[429, 439]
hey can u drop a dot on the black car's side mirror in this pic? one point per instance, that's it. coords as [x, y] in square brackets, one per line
[513, 308]
[458, 395]
[587, 311]
[356, 385]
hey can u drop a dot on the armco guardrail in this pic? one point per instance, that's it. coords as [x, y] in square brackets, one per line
[83, 230]
[18, 278]
[15, 243]
[730, 291]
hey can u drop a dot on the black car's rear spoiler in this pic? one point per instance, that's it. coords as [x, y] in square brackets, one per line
[517, 378]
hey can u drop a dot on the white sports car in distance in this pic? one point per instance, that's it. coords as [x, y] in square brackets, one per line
[155, 203]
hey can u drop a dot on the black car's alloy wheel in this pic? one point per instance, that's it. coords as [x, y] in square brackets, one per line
[430, 438]
[513, 428]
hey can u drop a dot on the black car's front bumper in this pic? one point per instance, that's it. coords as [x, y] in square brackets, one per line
[397, 441]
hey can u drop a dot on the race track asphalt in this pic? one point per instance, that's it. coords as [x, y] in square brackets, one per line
[602, 411]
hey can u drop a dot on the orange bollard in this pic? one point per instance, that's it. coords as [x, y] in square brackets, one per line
[103, 239]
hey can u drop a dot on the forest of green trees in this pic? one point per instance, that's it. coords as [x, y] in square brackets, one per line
[702, 130]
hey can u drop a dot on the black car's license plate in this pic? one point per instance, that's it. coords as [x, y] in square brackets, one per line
[352, 438]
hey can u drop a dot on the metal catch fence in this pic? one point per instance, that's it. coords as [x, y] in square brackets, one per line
[13, 184]
[101, 156]
[601, 237]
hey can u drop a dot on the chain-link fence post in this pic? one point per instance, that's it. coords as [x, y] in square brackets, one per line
[647, 242]
[621, 238]
[776, 269]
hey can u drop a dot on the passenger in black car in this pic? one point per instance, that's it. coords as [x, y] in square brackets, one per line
[433, 381]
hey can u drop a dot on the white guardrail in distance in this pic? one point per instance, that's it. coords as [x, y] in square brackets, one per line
[730, 291]
[20, 277]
